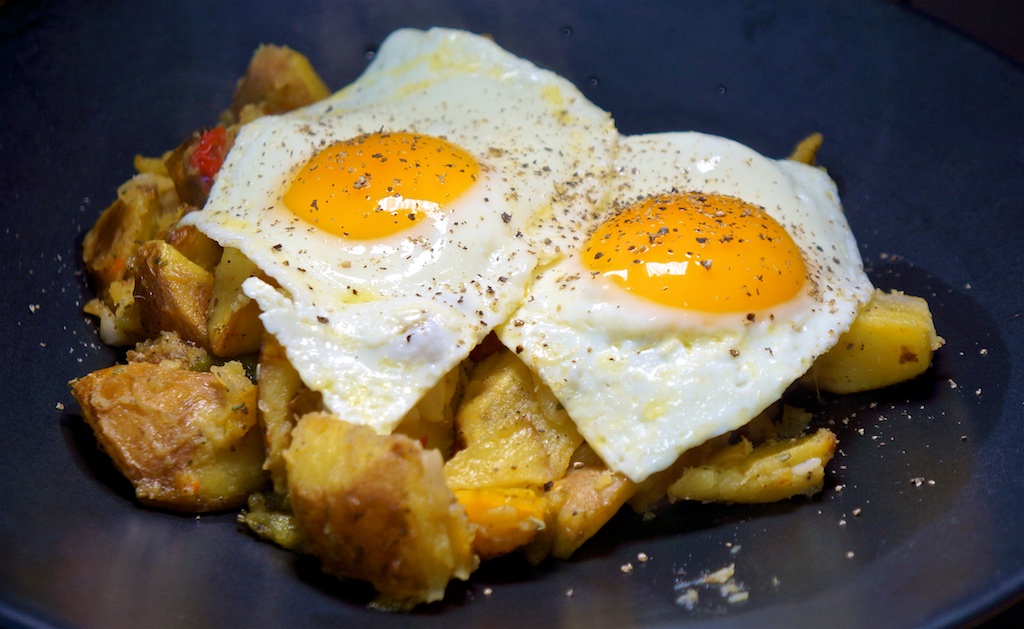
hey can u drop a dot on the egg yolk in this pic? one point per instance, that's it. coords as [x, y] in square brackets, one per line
[378, 184]
[698, 251]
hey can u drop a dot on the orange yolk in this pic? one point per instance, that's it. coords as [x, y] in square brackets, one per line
[699, 251]
[378, 184]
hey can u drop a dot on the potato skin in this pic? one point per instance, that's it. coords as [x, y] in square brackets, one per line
[233, 321]
[278, 80]
[146, 205]
[186, 440]
[172, 293]
[376, 508]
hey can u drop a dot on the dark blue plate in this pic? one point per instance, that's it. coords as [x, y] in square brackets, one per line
[923, 130]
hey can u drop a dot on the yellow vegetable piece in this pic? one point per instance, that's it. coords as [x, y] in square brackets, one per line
[234, 325]
[172, 293]
[506, 518]
[186, 440]
[767, 473]
[890, 341]
[515, 432]
[375, 507]
[806, 151]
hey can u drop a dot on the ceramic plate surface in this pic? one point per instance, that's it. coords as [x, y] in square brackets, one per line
[923, 133]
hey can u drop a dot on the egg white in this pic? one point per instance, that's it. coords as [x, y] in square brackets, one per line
[373, 325]
[644, 382]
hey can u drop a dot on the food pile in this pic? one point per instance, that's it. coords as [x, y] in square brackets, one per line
[450, 313]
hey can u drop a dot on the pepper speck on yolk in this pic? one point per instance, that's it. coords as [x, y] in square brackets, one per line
[699, 251]
[378, 184]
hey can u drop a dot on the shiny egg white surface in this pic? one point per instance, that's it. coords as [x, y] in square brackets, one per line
[711, 283]
[666, 287]
[390, 217]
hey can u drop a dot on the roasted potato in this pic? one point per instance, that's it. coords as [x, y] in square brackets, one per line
[278, 80]
[172, 293]
[186, 440]
[376, 507]
[279, 384]
[591, 494]
[891, 340]
[195, 245]
[512, 430]
[146, 206]
[772, 471]
[806, 151]
[431, 421]
[233, 321]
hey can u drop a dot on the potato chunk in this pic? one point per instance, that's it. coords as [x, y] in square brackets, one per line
[891, 340]
[769, 472]
[234, 319]
[172, 293]
[279, 384]
[515, 432]
[431, 421]
[278, 80]
[146, 205]
[186, 440]
[588, 496]
[806, 151]
[195, 245]
[376, 507]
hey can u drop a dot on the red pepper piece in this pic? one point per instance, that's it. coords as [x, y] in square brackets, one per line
[208, 155]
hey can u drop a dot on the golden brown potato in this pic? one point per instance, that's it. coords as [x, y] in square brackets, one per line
[891, 340]
[279, 384]
[233, 322]
[154, 165]
[376, 507]
[117, 313]
[431, 421]
[807, 150]
[146, 206]
[652, 492]
[278, 80]
[195, 245]
[172, 293]
[514, 431]
[587, 497]
[186, 440]
[773, 471]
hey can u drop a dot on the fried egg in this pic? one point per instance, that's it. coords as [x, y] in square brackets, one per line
[390, 217]
[711, 283]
